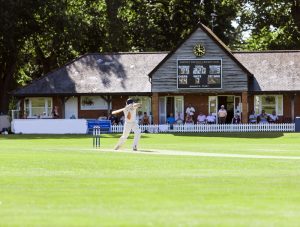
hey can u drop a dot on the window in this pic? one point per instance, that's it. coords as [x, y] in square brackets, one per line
[38, 107]
[145, 103]
[269, 103]
[212, 105]
[93, 103]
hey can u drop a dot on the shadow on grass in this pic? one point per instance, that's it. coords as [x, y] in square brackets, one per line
[254, 135]
[145, 151]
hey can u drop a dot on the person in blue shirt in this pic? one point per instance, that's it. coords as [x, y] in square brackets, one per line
[171, 119]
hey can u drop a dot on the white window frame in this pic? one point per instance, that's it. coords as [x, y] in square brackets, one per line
[145, 101]
[179, 105]
[210, 101]
[258, 107]
[47, 110]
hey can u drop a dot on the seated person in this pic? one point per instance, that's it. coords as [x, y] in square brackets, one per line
[201, 119]
[179, 118]
[189, 119]
[44, 115]
[263, 118]
[211, 119]
[145, 119]
[252, 117]
[55, 113]
[113, 119]
[122, 120]
[236, 119]
[273, 118]
[139, 117]
[102, 118]
[171, 119]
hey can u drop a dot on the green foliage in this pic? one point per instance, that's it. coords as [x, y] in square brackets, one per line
[37, 36]
[274, 25]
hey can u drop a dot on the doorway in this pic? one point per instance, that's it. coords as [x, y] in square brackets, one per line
[169, 104]
[71, 108]
[228, 102]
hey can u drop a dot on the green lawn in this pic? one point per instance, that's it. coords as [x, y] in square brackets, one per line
[63, 181]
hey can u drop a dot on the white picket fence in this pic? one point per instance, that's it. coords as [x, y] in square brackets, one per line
[285, 127]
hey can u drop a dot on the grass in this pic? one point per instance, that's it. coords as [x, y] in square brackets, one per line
[63, 181]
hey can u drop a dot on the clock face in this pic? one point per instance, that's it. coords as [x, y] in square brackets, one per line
[199, 50]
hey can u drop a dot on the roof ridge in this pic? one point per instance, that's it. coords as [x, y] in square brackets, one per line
[265, 51]
[120, 53]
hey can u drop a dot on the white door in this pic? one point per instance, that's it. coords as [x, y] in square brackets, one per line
[179, 106]
[71, 108]
[162, 110]
[213, 106]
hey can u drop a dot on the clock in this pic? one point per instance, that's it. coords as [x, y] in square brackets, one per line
[199, 50]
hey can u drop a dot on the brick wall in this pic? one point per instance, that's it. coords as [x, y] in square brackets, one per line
[199, 102]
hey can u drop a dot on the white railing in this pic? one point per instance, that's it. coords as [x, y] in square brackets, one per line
[284, 127]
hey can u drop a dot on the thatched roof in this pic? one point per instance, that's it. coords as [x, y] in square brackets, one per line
[272, 70]
[98, 74]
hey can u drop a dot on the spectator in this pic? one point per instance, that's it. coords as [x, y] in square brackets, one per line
[171, 119]
[252, 117]
[190, 110]
[201, 119]
[113, 119]
[189, 119]
[102, 118]
[145, 119]
[273, 118]
[122, 119]
[139, 117]
[222, 114]
[236, 119]
[179, 118]
[263, 118]
[44, 115]
[55, 113]
[211, 119]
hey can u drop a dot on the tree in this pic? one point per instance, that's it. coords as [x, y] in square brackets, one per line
[17, 17]
[162, 24]
[274, 25]
[38, 36]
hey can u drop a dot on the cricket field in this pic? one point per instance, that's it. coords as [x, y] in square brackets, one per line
[210, 179]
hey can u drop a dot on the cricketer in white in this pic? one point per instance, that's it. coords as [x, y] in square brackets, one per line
[130, 124]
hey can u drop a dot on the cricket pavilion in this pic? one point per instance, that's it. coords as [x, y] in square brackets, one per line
[201, 71]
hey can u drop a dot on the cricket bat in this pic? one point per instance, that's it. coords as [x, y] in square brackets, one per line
[117, 111]
[120, 110]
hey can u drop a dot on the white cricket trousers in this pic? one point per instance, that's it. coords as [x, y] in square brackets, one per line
[128, 126]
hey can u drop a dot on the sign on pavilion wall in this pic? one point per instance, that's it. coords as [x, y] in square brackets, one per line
[199, 73]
